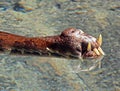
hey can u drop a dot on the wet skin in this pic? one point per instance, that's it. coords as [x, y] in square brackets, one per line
[70, 43]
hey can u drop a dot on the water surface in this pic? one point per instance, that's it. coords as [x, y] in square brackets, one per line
[50, 17]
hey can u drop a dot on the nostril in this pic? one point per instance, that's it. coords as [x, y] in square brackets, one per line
[78, 49]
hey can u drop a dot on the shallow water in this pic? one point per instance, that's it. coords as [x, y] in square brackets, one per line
[49, 17]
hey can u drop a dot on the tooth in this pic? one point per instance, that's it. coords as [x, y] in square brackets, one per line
[22, 51]
[89, 47]
[49, 50]
[96, 51]
[101, 51]
[99, 40]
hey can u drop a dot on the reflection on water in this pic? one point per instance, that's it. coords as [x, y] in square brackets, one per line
[86, 64]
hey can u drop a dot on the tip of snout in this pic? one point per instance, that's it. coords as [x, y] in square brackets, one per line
[94, 52]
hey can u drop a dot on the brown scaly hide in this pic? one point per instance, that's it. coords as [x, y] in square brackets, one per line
[71, 42]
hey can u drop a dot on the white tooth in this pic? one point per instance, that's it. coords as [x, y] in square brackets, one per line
[96, 51]
[49, 49]
[101, 51]
[89, 47]
[99, 40]
[22, 51]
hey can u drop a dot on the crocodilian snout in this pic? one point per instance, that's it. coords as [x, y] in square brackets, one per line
[92, 52]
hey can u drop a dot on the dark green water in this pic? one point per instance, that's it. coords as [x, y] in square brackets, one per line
[49, 17]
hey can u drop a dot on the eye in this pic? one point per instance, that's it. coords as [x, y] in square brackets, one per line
[72, 31]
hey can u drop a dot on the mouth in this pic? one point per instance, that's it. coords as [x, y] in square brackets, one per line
[92, 49]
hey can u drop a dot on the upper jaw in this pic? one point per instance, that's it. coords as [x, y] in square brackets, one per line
[90, 47]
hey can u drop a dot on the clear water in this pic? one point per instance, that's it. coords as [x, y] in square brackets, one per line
[50, 17]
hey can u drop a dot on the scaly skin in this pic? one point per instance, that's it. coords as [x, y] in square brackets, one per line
[71, 42]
